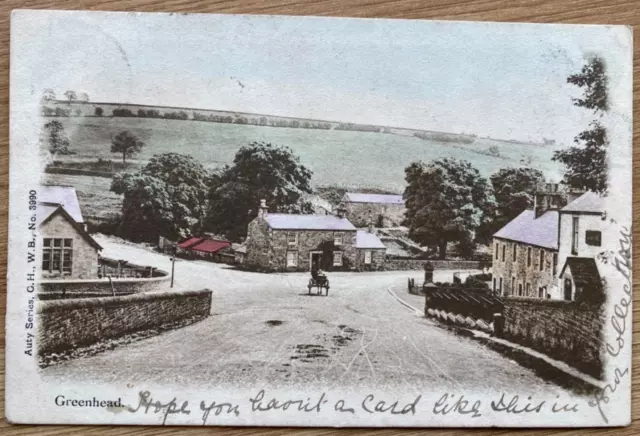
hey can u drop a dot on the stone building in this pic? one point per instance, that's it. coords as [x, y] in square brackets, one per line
[539, 252]
[290, 242]
[382, 210]
[67, 250]
[581, 233]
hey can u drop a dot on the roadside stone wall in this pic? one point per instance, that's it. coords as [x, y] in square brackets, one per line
[49, 289]
[67, 324]
[377, 260]
[564, 330]
[418, 264]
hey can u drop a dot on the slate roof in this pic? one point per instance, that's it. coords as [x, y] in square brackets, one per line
[283, 221]
[584, 272]
[526, 228]
[357, 197]
[365, 239]
[587, 202]
[44, 211]
[64, 195]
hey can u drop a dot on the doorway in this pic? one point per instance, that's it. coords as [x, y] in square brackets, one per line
[315, 260]
[567, 289]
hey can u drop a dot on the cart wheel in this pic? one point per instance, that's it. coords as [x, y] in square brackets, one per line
[327, 292]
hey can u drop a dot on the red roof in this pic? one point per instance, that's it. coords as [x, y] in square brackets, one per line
[189, 242]
[211, 246]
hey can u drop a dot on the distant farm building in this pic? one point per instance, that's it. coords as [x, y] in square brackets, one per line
[208, 248]
[382, 210]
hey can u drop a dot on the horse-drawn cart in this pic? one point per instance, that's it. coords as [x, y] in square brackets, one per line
[319, 282]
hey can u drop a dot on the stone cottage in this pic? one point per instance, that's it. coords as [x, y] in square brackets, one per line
[291, 242]
[382, 210]
[530, 253]
[67, 250]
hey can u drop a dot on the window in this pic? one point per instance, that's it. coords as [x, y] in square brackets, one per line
[338, 239]
[337, 258]
[593, 237]
[497, 250]
[57, 255]
[504, 250]
[494, 285]
[292, 258]
[520, 289]
[367, 257]
[541, 292]
[574, 236]
[501, 286]
[528, 289]
[528, 256]
[555, 263]
[513, 285]
[292, 238]
[541, 260]
[515, 252]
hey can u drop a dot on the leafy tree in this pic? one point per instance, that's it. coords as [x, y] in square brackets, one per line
[127, 144]
[514, 191]
[98, 111]
[259, 171]
[78, 112]
[71, 96]
[167, 197]
[586, 162]
[84, 97]
[447, 201]
[55, 138]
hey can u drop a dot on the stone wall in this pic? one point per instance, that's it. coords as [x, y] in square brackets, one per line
[529, 278]
[68, 324]
[50, 289]
[418, 264]
[566, 331]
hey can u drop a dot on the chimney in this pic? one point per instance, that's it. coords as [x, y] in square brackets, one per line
[549, 196]
[341, 211]
[262, 211]
[372, 229]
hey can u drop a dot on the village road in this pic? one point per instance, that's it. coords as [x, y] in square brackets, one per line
[266, 329]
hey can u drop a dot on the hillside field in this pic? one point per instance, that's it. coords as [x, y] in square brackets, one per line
[336, 157]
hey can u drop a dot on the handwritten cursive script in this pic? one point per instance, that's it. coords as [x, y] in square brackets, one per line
[147, 404]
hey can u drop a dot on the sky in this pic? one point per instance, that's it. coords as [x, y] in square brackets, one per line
[505, 81]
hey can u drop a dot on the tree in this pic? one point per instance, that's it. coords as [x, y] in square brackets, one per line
[446, 200]
[71, 96]
[78, 112]
[127, 144]
[514, 191]
[98, 112]
[48, 95]
[586, 162]
[84, 97]
[55, 138]
[259, 171]
[167, 197]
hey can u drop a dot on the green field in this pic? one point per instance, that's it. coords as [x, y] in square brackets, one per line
[345, 158]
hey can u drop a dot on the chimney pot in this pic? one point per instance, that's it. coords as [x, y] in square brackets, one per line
[263, 210]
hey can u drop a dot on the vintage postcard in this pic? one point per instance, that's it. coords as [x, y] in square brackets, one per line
[304, 221]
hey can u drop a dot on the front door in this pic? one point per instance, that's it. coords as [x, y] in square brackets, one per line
[316, 260]
[567, 289]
